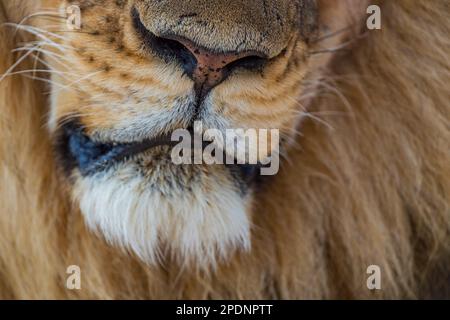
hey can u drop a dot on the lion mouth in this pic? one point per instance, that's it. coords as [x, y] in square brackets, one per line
[90, 157]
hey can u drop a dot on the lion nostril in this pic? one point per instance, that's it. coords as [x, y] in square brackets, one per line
[165, 48]
[207, 68]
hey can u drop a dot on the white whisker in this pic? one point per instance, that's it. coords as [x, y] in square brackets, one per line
[53, 14]
[18, 62]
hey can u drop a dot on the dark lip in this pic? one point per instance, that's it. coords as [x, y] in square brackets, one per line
[77, 150]
[90, 157]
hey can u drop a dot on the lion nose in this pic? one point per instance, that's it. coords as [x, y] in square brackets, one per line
[205, 67]
[210, 68]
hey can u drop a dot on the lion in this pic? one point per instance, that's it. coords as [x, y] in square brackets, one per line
[90, 89]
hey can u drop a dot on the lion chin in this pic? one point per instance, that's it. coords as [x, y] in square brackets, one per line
[196, 213]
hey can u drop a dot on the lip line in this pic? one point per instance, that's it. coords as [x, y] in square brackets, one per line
[92, 157]
[121, 152]
[79, 151]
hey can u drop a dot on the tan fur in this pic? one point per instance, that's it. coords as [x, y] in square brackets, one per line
[372, 186]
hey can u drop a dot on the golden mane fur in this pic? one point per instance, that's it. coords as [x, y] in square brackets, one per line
[372, 188]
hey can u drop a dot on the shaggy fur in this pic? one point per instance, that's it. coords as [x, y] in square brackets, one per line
[368, 184]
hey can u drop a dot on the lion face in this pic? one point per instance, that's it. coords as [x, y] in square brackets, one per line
[139, 69]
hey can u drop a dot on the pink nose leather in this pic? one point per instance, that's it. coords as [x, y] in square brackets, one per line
[211, 67]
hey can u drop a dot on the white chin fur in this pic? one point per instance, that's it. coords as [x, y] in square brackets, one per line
[200, 224]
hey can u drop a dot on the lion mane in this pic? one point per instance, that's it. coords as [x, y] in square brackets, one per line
[370, 188]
